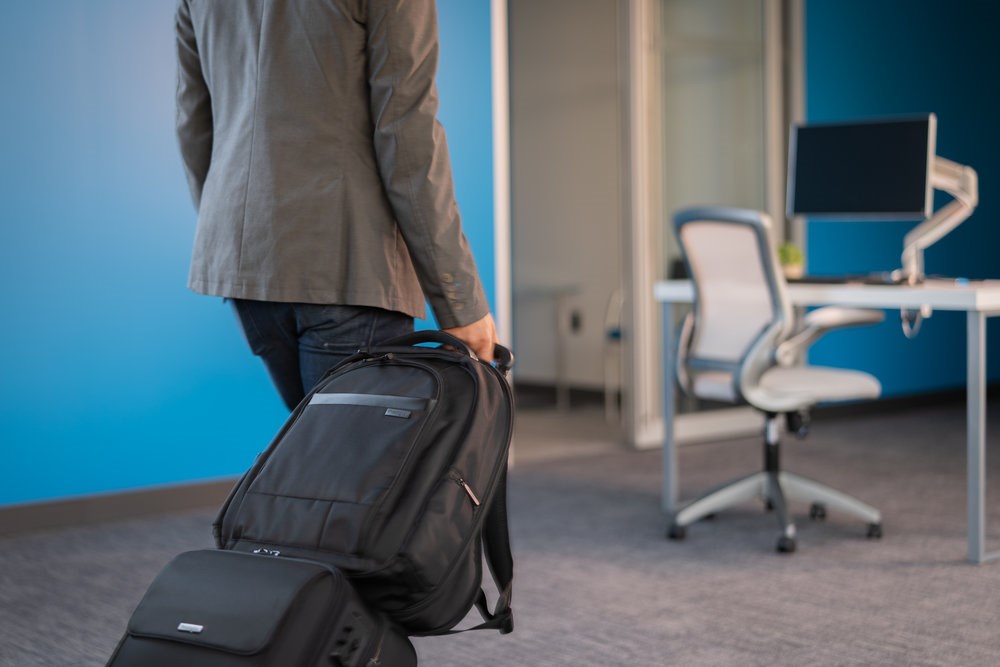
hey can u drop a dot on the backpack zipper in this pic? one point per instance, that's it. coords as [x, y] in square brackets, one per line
[376, 659]
[454, 476]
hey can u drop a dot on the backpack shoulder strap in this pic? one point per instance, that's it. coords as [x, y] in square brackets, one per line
[499, 559]
[496, 543]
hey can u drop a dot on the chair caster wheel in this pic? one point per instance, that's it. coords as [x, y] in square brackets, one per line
[786, 545]
[676, 532]
[874, 531]
[817, 512]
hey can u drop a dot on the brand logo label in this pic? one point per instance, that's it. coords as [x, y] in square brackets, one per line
[267, 552]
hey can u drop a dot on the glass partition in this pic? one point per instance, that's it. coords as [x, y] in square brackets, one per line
[717, 147]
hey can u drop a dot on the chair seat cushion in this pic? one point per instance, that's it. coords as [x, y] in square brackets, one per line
[791, 388]
[714, 386]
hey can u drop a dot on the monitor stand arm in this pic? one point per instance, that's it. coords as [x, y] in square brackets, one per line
[961, 183]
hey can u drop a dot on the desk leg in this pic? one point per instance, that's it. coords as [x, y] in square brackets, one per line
[976, 444]
[976, 427]
[669, 492]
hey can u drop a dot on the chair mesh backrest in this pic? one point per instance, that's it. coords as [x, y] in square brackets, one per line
[737, 295]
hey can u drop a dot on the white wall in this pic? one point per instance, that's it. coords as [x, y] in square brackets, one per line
[566, 134]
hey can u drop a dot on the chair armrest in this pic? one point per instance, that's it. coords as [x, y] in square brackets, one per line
[818, 322]
[832, 317]
[758, 359]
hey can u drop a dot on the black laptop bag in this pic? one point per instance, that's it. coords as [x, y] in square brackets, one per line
[393, 469]
[214, 608]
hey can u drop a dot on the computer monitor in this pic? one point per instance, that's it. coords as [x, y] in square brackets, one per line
[880, 170]
[872, 170]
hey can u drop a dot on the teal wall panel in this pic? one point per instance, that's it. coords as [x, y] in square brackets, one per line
[875, 59]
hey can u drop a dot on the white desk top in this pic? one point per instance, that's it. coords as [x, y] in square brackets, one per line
[974, 295]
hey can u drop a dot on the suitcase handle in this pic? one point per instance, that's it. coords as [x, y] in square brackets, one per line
[503, 357]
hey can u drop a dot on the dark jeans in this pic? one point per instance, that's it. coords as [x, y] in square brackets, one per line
[300, 342]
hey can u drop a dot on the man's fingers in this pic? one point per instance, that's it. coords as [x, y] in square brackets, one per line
[480, 336]
[485, 352]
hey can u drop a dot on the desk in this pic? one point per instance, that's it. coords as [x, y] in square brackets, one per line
[978, 299]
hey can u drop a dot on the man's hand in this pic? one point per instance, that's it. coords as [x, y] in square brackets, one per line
[480, 336]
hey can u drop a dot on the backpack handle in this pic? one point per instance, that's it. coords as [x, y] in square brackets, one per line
[504, 358]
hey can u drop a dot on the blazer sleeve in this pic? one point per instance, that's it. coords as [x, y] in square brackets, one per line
[412, 154]
[194, 105]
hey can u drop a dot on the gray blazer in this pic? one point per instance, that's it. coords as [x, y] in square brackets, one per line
[316, 163]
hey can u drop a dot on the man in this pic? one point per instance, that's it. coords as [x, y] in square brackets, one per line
[326, 207]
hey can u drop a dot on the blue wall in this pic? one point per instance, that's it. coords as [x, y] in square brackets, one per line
[869, 59]
[465, 86]
[114, 375]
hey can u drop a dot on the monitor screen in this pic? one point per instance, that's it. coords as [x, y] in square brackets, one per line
[873, 170]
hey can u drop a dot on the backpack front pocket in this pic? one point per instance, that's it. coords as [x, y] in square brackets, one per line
[332, 469]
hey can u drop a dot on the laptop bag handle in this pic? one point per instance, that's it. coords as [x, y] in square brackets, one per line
[504, 358]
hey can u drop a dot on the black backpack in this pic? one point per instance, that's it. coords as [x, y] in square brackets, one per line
[394, 470]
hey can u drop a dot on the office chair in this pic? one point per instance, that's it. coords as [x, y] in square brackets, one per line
[741, 344]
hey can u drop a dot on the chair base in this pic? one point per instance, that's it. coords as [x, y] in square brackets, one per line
[774, 488]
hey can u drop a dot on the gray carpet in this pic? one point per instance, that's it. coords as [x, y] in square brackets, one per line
[597, 583]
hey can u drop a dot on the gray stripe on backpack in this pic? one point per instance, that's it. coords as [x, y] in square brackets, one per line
[406, 403]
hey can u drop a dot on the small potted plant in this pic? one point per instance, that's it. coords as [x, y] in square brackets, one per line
[792, 260]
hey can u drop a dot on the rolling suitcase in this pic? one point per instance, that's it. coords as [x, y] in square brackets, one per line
[213, 608]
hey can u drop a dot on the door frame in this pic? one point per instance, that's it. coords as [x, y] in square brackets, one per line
[502, 256]
[639, 27]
